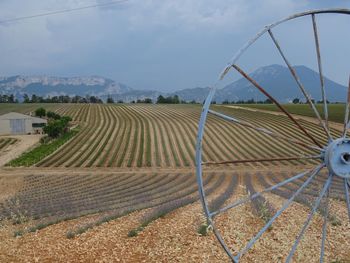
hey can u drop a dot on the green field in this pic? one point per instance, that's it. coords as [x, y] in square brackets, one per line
[127, 177]
[41, 151]
[336, 111]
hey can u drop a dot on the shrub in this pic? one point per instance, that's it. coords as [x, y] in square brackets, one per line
[18, 233]
[203, 230]
[133, 233]
[70, 235]
[45, 139]
[32, 229]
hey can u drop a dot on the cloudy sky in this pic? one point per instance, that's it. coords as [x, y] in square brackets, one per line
[164, 44]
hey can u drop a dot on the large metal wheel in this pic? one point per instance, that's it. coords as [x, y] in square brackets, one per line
[334, 156]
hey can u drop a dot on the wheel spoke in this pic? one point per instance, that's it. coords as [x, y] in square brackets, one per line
[271, 188]
[279, 212]
[319, 62]
[222, 243]
[262, 90]
[263, 130]
[347, 197]
[297, 79]
[324, 228]
[347, 109]
[264, 160]
[311, 215]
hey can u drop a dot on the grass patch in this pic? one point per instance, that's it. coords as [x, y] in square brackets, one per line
[133, 233]
[203, 230]
[70, 235]
[336, 111]
[18, 233]
[39, 153]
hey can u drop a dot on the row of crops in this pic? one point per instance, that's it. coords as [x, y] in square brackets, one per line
[165, 135]
[336, 111]
[52, 199]
[26, 108]
[6, 142]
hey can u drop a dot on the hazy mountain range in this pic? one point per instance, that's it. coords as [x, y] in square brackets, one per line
[276, 79]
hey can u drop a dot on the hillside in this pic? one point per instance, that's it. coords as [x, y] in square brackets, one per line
[278, 81]
[55, 86]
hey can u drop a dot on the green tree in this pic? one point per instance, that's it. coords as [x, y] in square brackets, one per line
[53, 115]
[161, 99]
[40, 112]
[26, 98]
[110, 100]
[55, 128]
[296, 101]
[176, 99]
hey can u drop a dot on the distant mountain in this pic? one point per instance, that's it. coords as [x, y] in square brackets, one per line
[133, 95]
[276, 79]
[196, 94]
[55, 86]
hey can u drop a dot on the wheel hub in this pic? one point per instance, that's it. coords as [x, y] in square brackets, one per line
[337, 157]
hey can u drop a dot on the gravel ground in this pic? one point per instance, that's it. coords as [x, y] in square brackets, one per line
[174, 238]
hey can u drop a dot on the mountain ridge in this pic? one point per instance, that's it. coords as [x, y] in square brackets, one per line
[276, 79]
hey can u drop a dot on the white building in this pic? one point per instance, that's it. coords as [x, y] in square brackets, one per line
[17, 123]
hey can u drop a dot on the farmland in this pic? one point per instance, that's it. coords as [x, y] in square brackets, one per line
[64, 215]
[124, 188]
[164, 136]
[6, 142]
[336, 111]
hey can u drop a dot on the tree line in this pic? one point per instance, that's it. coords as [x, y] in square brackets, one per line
[61, 99]
[160, 100]
[89, 99]
[8, 99]
[250, 101]
[54, 99]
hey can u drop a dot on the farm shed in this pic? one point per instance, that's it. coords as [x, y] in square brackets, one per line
[17, 123]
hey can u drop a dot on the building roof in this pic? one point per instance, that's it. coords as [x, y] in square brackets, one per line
[16, 115]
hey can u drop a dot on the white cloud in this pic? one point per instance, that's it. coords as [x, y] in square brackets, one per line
[206, 14]
[150, 37]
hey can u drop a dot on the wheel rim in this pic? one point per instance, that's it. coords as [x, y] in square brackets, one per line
[334, 156]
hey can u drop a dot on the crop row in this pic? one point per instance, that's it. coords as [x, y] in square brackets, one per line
[51, 199]
[165, 136]
[6, 142]
[142, 135]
